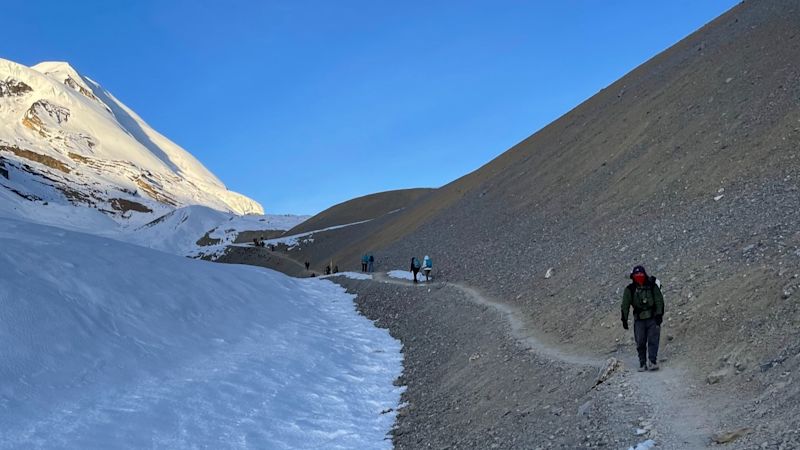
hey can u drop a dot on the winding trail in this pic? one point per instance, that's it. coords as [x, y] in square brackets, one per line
[681, 417]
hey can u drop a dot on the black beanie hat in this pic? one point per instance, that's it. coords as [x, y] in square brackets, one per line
[638, 269]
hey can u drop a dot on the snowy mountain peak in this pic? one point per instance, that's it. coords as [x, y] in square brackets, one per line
[63, 131]
[60, 71]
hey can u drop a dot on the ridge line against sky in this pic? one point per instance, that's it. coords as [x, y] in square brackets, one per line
[304, 104]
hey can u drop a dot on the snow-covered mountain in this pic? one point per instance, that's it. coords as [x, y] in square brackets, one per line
[66, 140]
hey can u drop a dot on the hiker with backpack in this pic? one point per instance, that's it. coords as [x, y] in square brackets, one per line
[364, 261]
[644, 295]
[371, 263]
[427, 266]
[415, 266]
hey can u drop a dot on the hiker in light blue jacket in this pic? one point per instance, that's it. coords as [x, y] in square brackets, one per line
[427, 266]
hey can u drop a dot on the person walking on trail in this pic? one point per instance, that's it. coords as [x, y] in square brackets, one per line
[644, 295]
[307, 265]
[371, 263]
[364, 261]
[427, 266]
[415, 265]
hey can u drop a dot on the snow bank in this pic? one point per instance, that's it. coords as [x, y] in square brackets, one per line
[646, 445]
[351, 275]
[406, 275]
[109, 345]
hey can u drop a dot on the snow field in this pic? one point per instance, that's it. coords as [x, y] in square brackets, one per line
[109, 345]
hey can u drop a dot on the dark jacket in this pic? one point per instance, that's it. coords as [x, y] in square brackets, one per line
[647, 301]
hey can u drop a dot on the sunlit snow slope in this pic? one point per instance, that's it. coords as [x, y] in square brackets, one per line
[63, 130]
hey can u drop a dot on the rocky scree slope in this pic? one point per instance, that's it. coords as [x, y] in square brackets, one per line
[66, 140]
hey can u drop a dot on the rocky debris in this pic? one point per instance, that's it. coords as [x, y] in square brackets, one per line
[612, 365]
[549, 273]
[717, 376]
[13, 88]
[730, 436]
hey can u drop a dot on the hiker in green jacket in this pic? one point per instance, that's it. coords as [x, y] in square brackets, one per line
[644, 295]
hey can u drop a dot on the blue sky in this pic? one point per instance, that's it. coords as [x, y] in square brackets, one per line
[304, 104]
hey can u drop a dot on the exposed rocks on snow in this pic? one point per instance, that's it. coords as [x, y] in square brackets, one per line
[13, 88]
[43, 113]
[549, 273]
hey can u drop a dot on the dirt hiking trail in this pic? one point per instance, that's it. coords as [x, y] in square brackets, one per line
[678, 413]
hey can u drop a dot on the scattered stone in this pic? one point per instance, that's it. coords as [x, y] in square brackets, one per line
[612, 365]
[730, 436]
[717, 376]
[549, 273]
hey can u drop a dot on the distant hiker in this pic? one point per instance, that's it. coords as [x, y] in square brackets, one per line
[427, 266]
[328, 269]
[415, 265]
[644, 294]
[336, 269]
[307, 265]
[272, 247]
[370, 263]
[364, 262]
[255, 242]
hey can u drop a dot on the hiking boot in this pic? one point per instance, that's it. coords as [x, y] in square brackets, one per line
[653, 366]
[642, 367]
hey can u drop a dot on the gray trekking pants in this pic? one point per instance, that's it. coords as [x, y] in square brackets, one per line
[647, 334]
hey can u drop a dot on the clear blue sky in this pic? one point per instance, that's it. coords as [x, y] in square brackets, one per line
[304, 104]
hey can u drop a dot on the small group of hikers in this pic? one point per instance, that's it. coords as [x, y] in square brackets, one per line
[367, 263]
[328, 269]
[644, 295]
[426, 265]
[259, 242]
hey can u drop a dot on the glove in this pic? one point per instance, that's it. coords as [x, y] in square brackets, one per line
[659, 318]
[625, 324]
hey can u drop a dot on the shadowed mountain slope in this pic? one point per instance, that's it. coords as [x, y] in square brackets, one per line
[361, 208]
